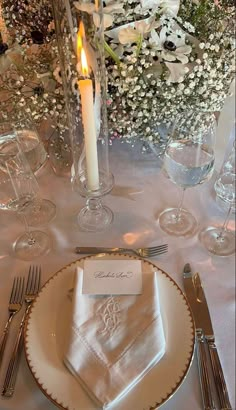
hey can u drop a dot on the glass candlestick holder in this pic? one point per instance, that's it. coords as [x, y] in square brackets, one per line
[80, 35]
[95, 216]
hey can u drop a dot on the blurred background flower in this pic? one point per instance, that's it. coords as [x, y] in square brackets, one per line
[29, 69]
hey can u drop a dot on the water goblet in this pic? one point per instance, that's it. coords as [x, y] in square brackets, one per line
[27, 134]
[220, 240]
[188, 161]
[13, 136]
[18, 191]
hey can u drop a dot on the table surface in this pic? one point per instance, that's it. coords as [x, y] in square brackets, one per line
[141, 191]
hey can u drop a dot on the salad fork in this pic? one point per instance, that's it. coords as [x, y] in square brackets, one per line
[15, 303]
[32, 289]
[143, 252]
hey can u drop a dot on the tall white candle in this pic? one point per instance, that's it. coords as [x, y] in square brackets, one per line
[88, 119]
[86, 93]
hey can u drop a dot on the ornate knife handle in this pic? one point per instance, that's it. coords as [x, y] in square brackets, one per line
[203, 371]
[218, 374]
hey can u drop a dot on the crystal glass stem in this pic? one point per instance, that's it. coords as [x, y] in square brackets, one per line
[31, 244]
[178, 221]
[225, 224]
[31, 240]
[219, 241]
[180, 206]
[41, 212]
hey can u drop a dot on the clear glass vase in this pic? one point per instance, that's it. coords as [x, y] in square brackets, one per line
[79, 31]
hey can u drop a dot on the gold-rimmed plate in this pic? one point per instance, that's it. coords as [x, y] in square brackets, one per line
[46, 328]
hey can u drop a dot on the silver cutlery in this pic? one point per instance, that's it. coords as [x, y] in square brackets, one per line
[32, 289]
[14, 306]
[205, 338]
[143, 252]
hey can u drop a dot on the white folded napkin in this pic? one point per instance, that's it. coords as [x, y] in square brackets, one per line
[114, 340]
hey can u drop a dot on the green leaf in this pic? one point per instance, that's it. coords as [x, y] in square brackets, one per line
[139, 44]
[111, 53]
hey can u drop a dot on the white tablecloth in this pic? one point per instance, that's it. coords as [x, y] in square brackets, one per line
[141, 192]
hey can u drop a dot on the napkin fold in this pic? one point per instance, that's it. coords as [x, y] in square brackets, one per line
[113, 341]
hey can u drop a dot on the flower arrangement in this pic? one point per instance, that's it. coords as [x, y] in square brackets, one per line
[29, 70]
[164, 57]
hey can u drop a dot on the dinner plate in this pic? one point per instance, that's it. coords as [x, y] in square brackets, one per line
[44, 342]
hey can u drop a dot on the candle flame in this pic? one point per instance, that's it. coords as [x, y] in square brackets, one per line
[80, 50]
[80, 38]
[79, 44]
[84, 63]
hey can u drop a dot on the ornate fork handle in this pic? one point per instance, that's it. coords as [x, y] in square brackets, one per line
[4, 337]
[10, 378]
[95, 250]
[218, 375]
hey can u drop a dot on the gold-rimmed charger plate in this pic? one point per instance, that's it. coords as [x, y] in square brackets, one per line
[44, 340]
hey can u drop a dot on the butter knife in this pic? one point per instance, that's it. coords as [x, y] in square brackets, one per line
[205, 337]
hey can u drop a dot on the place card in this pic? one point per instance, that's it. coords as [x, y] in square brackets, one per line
[112, 277]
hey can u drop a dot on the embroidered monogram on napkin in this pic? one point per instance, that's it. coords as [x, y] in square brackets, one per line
[110, 316]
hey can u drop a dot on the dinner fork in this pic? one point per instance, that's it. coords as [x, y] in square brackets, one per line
[32, 289]
[14, 305]
[143, 252]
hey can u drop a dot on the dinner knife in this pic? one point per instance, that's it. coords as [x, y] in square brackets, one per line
[205, 337]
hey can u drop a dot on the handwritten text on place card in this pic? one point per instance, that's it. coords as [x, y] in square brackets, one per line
[112, 277]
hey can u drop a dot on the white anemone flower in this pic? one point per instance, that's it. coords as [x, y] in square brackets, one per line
[170, 7]
[111, 7]
[171, 45]
[131, 35]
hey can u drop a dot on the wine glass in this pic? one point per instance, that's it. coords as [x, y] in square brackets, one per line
[11, 136]
[27, 134]
[18, 191]
[188, 161]
[220, 240]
